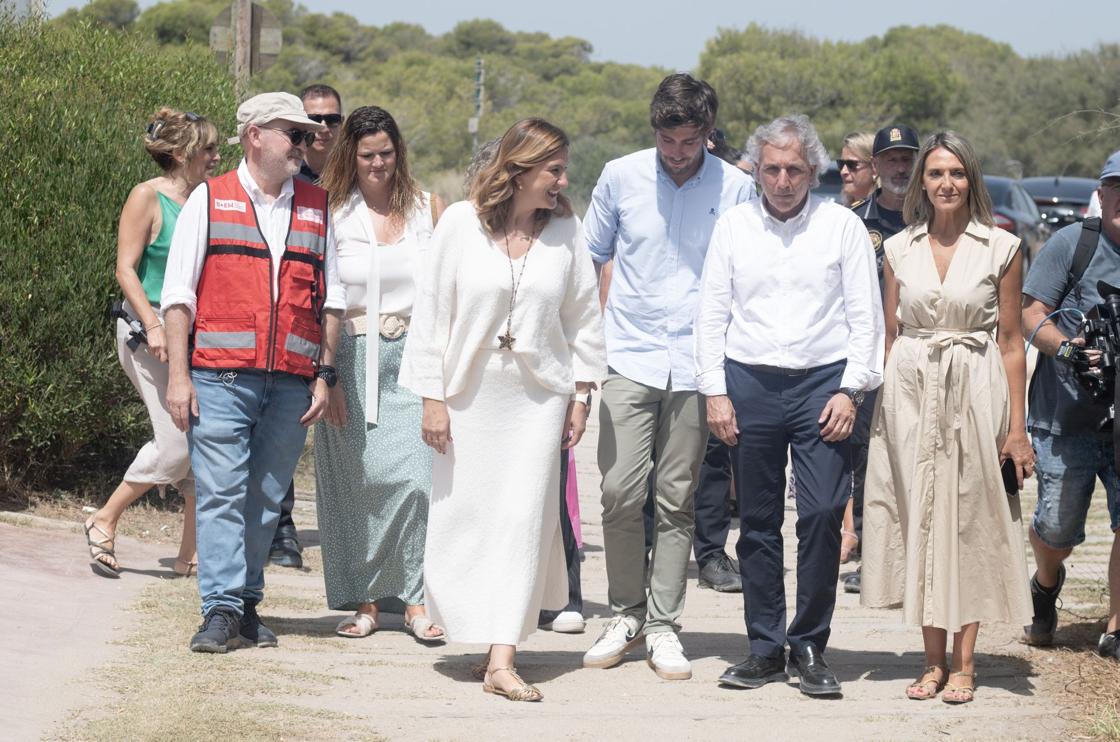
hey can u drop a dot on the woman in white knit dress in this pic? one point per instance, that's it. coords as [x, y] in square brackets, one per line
[506, 343]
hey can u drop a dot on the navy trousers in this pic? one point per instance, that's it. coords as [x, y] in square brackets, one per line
[713, 508]
[775, 412]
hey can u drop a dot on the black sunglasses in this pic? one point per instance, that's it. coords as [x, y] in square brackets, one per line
[155, 126]
[330, 119]
[852, 165]
[295, 136]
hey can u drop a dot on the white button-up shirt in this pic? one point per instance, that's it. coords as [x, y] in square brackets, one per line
[658, 235]
[794, 294]
[187, 253]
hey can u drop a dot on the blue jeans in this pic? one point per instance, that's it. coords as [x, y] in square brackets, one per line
[1068, 467]
[244, 444]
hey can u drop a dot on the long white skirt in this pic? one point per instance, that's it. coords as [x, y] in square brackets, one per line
[494, 556]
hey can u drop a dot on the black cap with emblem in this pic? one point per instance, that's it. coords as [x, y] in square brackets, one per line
[898, 136]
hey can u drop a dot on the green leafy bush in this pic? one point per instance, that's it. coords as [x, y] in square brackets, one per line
[77, 100]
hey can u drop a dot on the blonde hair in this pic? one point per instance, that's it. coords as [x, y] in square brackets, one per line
[172, 134]
[525, 145]
[917, 209]
[859, 142]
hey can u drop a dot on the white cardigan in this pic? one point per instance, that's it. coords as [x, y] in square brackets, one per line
[353, 225]
[463, 300]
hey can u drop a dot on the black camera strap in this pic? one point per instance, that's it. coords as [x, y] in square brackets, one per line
[1083, 254]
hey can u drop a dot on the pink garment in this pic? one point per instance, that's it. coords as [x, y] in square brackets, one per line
[572, 496]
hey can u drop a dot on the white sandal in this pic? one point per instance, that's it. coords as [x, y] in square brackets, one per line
[419, 627]
[365, 623]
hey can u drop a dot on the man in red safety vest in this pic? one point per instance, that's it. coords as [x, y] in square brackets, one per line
[252, 305]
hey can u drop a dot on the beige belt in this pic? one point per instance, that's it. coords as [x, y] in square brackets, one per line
[390, 326]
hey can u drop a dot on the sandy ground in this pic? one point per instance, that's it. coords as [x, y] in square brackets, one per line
[58, 623]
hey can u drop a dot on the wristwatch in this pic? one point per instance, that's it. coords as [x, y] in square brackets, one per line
[327, 374]
[856, 395]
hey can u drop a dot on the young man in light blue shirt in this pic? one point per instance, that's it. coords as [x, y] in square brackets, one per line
[652, 212]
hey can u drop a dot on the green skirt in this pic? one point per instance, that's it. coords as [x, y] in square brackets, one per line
[372, 486]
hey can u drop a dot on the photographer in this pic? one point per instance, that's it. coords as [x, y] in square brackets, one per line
[1071, 439]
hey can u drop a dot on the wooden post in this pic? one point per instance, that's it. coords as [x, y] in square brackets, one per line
[241, 27]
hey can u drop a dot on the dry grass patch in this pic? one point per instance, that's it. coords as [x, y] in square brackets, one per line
[161, 691]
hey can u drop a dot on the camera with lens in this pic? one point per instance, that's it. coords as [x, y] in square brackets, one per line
[137, 336]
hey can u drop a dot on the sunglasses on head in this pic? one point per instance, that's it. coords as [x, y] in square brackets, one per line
[330, 119]
[155, 126]
[852, 165]
[295, 136]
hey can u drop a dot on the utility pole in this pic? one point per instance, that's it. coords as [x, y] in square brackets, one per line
[479, 92]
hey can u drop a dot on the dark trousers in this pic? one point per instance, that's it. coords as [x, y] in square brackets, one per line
[286, 506]
[860, 441]
[713, 508]
[776, 411]
[571, 549]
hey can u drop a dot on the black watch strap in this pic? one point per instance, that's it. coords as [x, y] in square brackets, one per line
[856, 395]
[327, 374]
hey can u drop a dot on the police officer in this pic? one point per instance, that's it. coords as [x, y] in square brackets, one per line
[892, 160]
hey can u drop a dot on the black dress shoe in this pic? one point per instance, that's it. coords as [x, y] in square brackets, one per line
[755, 671]
[252, 632]
[852, 582]
[817, 678]
[722, 575]
[286, 551]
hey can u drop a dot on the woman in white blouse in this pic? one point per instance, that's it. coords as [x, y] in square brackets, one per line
[373, 474]
[505, 348]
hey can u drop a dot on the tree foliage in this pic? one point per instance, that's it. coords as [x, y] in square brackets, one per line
[79, 96]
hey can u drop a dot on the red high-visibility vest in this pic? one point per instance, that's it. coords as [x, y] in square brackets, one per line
[238, 323]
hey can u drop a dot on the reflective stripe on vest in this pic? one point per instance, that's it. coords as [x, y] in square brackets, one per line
[239, 323]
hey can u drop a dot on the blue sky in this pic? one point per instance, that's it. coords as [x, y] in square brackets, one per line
[672, 33]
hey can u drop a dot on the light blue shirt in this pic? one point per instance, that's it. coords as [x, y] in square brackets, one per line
[658, 236]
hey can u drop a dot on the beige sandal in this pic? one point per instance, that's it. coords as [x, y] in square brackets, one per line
[523, 692]
[183, 568]
[419, 626]
[365, 623]
[102, 551]
[927, 686]
[955, 693]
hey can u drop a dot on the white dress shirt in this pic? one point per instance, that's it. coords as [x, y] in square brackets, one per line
[795, 294]
[187, 253]
[657, 234]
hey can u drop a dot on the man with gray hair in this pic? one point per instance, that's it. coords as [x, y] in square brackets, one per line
[789, 339]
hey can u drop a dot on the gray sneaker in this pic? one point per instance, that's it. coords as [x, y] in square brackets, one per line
[621, 634]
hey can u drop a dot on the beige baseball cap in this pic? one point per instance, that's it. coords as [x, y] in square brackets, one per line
[266, 107]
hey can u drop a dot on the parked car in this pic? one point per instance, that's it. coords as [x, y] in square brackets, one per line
[1016, 212]
[831, 184]
[1061, 199]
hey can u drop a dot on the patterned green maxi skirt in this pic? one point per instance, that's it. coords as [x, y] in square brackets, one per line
[372, 487]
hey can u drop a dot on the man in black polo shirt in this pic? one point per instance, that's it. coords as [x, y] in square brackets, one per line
[892, 160]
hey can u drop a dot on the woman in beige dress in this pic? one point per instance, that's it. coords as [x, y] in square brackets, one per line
[941, 536]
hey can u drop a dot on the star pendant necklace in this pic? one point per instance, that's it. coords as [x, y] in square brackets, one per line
[505, 342]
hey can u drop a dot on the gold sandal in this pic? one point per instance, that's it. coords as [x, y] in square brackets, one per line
[102, 552]
[927, 686]
[955, 694]
[523, 692]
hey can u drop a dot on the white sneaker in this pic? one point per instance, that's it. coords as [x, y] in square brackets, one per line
[619, 636]
[568, 622]
[665, 655]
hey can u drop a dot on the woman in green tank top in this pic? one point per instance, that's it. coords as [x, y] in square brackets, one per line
[185, 146]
